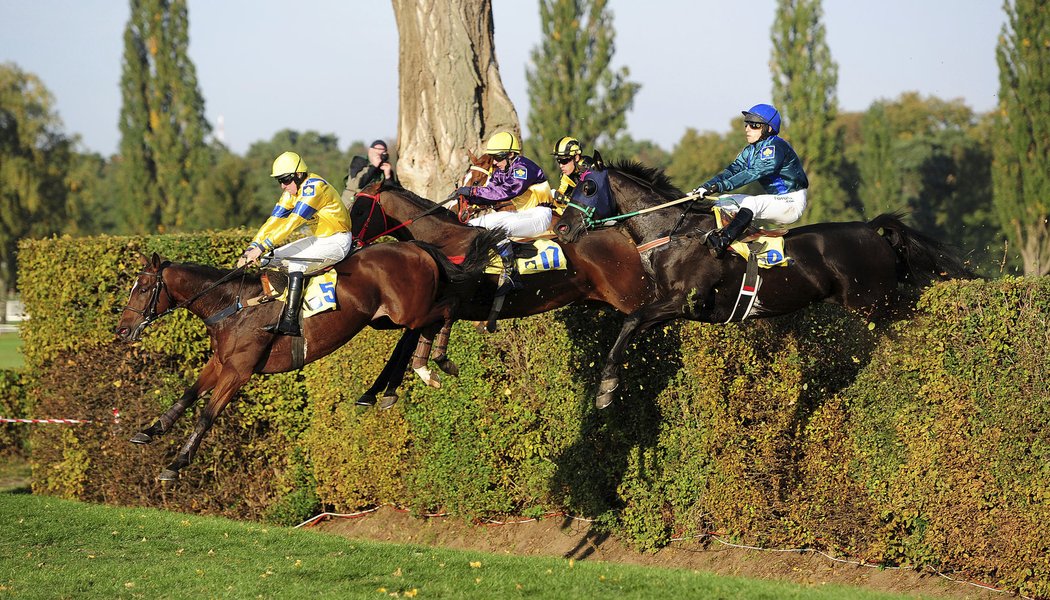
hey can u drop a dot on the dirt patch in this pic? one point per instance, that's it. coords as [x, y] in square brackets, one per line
[571, 538]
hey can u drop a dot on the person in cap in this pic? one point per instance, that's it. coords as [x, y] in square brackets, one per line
[514, 179]
[772, 162]
[306, 199]
[366, 170]
[572, 163]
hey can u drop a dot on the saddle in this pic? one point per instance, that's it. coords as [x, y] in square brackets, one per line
[765, 245]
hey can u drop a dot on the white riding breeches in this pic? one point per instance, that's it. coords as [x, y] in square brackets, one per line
[316, 252]
[781, 209]
[525, 223]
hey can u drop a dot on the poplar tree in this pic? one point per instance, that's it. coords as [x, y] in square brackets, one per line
[163, 156]
[1021, 142]
[805, 79]
[572, 88]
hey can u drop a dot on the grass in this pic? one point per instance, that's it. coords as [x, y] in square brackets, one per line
[10, 351]
[54, 548]
[14, 475]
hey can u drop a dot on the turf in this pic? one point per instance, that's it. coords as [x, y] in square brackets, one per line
[10, 351]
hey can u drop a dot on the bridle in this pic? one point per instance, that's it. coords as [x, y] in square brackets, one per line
[149, 312]
[359, 240]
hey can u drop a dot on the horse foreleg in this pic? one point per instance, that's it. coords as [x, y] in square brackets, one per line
[440, 356]
[611, 371]
[205, 382]
[230, 381]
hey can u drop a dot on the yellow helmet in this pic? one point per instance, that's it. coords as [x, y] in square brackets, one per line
[566, 147]
[288, 163]
[503, 142]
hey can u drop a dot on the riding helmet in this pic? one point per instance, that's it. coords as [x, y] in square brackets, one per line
[566, 147]
[503, 142]
[288, 163]
[763, 113]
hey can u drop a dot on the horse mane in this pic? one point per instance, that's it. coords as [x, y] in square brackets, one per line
[420, 202]
[653, 178]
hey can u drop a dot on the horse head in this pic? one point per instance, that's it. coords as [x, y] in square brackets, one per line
[368, 220]
[591, 204]
[480, 170]
[149, 299]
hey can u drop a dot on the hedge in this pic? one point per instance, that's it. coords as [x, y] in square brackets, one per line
[921, 443]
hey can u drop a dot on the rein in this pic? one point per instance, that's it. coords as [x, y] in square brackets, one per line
[150, 314]
[376, 203]
[591, 222]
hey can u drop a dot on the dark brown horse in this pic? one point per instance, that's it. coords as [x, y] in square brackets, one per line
[858, 265]
[603, 268]
[411, 285]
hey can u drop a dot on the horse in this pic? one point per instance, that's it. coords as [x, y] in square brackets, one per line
[602, 269]
[849, 264]
[411, 285]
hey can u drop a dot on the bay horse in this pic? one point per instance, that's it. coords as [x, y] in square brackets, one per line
[603, 268]
[411, 285]
[858, 265]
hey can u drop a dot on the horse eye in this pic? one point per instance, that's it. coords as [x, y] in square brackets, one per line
[589, 188]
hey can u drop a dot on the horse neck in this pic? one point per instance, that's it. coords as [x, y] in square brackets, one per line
[436, 228]
[630, 197]
[184, 281]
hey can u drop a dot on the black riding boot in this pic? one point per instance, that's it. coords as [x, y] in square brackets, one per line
[721, 239]
[509, 280]
[289, 324]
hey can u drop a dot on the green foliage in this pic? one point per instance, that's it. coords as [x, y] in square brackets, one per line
[931, 158]
[805, 79]
[164, 159]
[572, 88]
[1022, 132]
[699, 156]
[14, 437]
[33, 156]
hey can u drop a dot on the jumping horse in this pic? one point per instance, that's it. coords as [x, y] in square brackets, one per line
[603, 268]
[858, 265]
[410, 285]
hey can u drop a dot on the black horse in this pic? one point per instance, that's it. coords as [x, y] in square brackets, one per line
[860, 266]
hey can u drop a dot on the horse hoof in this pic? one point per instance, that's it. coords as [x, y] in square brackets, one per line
[603, 401]
[432, 379]
[366, 400]
[141, 438]
[447, 366]
[388, 401]
[168, 475]
[608, 386]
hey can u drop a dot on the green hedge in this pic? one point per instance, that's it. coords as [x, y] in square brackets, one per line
[922, 444]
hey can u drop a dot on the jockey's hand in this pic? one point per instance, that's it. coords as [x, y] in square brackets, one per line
[700, 192]
[250, 256]
[462, 191]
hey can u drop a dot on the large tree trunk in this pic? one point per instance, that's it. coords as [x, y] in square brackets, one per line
[451, 94]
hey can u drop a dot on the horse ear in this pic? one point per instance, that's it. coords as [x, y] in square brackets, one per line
[599, 164]
[156, 260]
[473, 158]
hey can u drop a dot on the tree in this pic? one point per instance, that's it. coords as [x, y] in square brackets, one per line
[804, 90]
[34, 156]
[163, 156]
[572, 88]
[1022, 139]
[451, 94]
[931, 158]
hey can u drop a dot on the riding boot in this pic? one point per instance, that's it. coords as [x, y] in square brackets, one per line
[289, 324]
[509, 280]
[721, 239]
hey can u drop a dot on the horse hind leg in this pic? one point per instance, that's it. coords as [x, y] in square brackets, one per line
[393, 372]
[441, 349]
[422, 356]
[205, 382]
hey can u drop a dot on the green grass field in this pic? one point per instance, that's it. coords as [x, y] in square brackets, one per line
[54, 548]
[10, 351]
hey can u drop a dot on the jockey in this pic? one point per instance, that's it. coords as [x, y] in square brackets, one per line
[771, 161]
[572, 163]
[308, 200]
[515, 179]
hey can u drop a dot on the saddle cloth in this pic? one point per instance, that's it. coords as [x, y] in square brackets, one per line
[548, 257]
[768, 249]
[318, 297]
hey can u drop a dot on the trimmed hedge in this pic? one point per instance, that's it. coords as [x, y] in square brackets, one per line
[921, 444]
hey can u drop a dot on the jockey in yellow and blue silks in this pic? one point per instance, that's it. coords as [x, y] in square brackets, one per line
[515, 179]
[309, 200]
[769, 160]
[572, 163]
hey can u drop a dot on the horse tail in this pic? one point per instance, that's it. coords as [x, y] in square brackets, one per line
[476, 260]
[921, 259]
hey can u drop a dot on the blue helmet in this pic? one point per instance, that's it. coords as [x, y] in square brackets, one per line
[763, 113]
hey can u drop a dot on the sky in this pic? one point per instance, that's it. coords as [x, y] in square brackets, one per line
[331, 65]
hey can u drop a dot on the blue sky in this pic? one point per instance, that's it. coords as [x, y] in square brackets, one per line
[330, 66]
